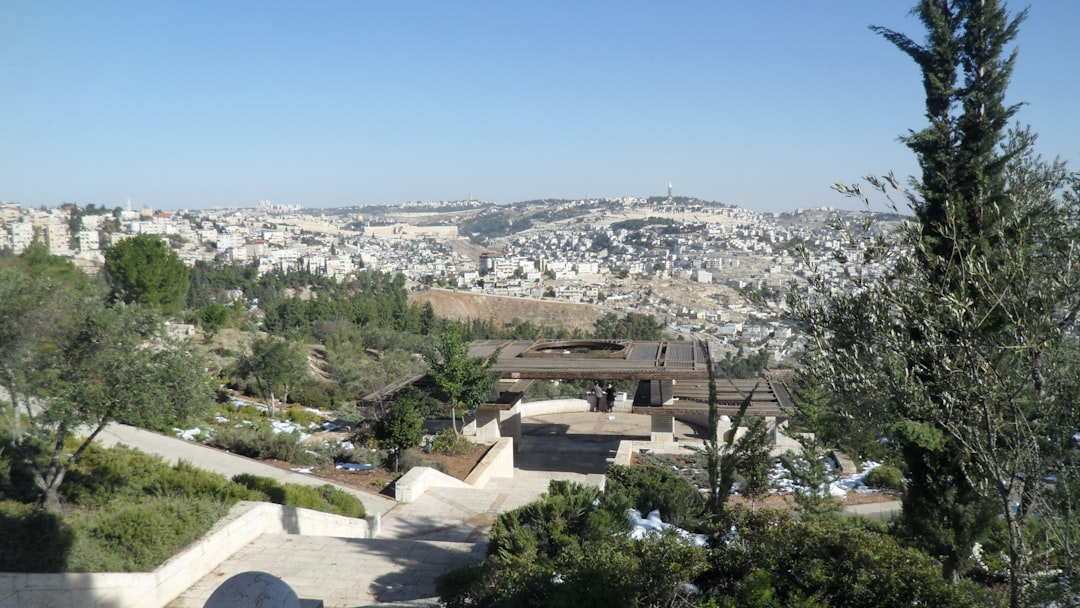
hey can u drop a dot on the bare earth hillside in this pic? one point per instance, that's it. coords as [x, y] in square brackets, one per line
[501, 309]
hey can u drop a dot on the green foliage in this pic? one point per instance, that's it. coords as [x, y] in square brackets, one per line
[318, 394]
[324, 498]
[649, 488]
[130, 536]
[399, 429]
[129, 511]
[571, 548]
[303, 417]
[143, 270]
[86, 364]
[213, 317]
[268, 487]
[460, 380]
[742, 365]
[633, 326]
[276, 366]
[885, 477]
[446, 442]
[105, 475]
[774, 559]
[32, 540]
[263, 443]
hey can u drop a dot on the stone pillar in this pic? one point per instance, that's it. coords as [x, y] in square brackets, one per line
[487, 424]
[511, 425]
[663, 428]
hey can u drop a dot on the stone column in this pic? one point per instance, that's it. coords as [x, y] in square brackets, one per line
[663, 428]
[487, 424]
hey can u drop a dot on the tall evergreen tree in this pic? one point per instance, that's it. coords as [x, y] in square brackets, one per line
[958, 353]
[965, 75]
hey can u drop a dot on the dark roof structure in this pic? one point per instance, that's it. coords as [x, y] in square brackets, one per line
[683, 363]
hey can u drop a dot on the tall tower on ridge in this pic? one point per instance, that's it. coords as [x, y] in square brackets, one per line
[669, 197]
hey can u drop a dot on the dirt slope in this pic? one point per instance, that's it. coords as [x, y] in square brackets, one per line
[501, 309]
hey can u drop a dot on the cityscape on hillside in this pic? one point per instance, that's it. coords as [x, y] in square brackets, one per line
[705, 270]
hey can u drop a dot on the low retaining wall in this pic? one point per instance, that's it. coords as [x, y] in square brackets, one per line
[498, 462]
[554, 406]
[246, 522]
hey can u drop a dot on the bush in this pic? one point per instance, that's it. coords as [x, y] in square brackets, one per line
[304, 417]
[316, 393]
[885, 477]
[325, 498]
[266, 486]
[650, 487]
[33, 540]
[129, 536]
[265, 444]
[342, 503]
[446, 442]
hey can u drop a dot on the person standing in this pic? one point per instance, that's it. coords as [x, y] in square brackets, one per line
[610, 395]
[598, 397]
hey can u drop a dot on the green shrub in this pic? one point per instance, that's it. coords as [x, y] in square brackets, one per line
[104, 475]
[304, 497]
[446, 442]
[325, 498]
[316, 393]
[184, 479]
[303, 417]
[885, 477]
[650, 487]
[32, 540]
[129, 536]
[266, 486]
[342, 503]
[264, 443]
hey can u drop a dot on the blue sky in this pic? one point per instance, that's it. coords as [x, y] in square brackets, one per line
[195, 104]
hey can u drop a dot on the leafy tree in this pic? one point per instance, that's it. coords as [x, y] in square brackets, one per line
[400, 428]
[213, 317]
[460, 380]
[81, 365]
[276, 365]
[633, 326]
[143, 270]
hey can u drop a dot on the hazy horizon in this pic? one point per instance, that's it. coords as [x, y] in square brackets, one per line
[336, 104]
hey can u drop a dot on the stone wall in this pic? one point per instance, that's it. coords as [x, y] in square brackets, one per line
[246, 522]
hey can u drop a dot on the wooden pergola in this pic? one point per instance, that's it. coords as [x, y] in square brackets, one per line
[676, 370]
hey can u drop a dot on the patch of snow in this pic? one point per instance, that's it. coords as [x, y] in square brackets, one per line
[352, 466]
[284, 426]
[652, 524]
[188, 434]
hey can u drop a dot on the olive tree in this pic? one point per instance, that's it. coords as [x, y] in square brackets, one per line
[73, 364]
[276, 365]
